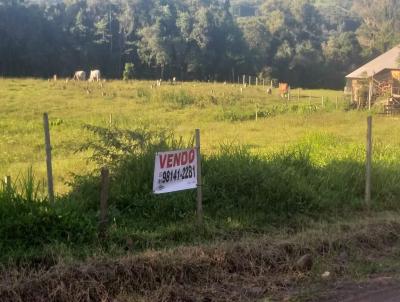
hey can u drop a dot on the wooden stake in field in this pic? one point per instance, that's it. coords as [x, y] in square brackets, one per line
[111, 120]
[105, 183]
[256, 81]
[370, 95]
[249, 80]
[7, 184]
[244, 80]
[199, 181]
[256, 112]
[50, 186]
[368, 162]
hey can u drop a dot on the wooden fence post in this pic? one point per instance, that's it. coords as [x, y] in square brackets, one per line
[256, 112]
[105, 183]
[244, 80]
[7, 184]
[50, 186]
[368, 162]
[370, 95]
[199, 180]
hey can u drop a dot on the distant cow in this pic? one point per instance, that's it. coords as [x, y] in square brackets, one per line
[94, 76]
[80, 76]
[283, 89]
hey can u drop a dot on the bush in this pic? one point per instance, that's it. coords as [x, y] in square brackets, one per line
[129, 71]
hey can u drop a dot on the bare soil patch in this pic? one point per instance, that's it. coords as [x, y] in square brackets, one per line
[382, 289]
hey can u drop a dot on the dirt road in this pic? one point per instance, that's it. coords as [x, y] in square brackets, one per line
[376, 290]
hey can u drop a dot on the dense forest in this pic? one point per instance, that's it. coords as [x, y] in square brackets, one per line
[309, 43]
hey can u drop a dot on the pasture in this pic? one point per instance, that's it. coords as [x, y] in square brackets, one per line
[268, 162]
[273, 170]
[226, 114]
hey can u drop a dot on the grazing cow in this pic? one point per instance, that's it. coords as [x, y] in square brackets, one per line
[80, 76]
[283, 89]
[94, 76]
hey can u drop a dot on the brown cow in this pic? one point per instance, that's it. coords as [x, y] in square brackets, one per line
[283, 89]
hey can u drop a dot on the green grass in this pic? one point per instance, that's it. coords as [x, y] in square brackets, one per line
[212, 108]
[300, 161]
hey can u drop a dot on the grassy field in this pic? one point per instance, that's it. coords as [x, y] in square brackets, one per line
[226, 114]
[268, 161]
[271, 168]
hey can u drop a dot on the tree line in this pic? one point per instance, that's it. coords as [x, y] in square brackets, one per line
[307, 43]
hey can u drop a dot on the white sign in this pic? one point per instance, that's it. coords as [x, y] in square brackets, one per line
[175, 171]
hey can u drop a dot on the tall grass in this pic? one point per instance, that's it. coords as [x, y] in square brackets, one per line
[255, 190]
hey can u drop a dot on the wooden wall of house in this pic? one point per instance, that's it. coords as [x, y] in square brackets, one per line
[356, 85]
[396, 78]
[389, 76]
[384, 76]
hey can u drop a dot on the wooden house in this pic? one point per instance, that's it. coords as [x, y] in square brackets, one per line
[376, 79]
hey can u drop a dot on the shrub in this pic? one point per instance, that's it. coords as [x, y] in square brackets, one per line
[129, 71]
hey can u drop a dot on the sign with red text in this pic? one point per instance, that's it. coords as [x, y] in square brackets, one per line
[175, 171]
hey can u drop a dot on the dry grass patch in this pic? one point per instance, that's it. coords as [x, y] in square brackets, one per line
[232, 271]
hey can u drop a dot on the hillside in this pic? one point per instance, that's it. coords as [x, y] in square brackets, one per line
[308, 44]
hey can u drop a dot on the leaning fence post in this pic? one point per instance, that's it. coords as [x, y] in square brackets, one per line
[50, 186]
[368, 162]
[105, 183]
[199, 181]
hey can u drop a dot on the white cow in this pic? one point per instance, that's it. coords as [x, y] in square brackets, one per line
[94, 75]
[80, 76]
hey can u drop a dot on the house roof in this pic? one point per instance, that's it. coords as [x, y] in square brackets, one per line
[388, 60]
